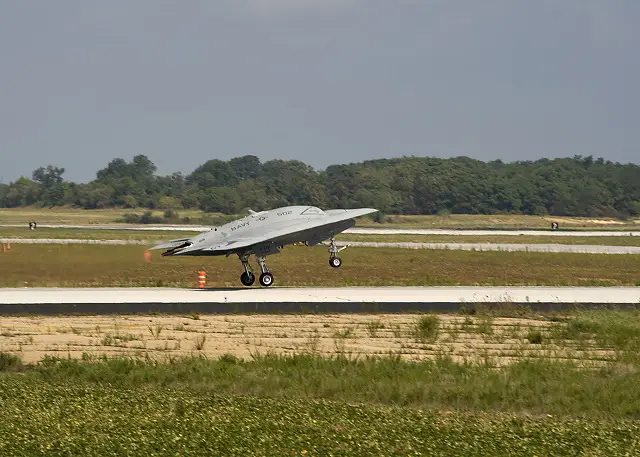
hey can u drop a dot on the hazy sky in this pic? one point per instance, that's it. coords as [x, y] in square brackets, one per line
[323, 81]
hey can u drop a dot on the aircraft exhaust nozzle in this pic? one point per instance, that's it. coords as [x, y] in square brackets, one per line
[177, 248]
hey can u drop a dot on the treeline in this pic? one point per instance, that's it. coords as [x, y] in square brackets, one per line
[578, 186]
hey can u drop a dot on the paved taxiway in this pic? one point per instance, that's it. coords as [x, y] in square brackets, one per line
[506, 247]
[479, 294]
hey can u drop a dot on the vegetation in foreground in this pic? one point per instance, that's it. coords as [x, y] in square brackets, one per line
[310, 405]
[89, 419]
[101, 266]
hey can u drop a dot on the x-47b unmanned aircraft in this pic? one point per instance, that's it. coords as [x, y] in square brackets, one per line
[266, 233]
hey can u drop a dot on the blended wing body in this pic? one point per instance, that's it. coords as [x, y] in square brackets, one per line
[261, 233]
[265, 233]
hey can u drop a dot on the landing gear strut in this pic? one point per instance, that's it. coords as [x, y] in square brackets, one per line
[247, 278]
[266, 278]
[334, 260]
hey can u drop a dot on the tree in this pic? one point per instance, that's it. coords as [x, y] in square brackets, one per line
[23, 192]
[52, 189]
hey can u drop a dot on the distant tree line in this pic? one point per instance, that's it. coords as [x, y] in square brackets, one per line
[578, 186]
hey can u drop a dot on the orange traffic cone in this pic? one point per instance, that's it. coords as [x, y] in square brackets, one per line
[8, 244]
[147, 256]
[202, 276]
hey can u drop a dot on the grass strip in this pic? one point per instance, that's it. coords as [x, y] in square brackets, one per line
[89, 420]
[158, 235]
[69, 215]
[105, 266]
[536, 386]
[496, 239]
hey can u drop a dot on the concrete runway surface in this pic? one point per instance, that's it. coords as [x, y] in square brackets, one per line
[457, 295]
[506, 247]
[355, 231]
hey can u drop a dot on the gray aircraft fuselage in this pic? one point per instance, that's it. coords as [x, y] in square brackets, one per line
[265, 232]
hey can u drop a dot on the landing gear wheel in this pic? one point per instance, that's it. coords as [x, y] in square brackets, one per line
[335, 262]
[247, 279]
[266, 279]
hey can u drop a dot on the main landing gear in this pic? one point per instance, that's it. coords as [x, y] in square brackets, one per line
[248, 278]
[334, 260]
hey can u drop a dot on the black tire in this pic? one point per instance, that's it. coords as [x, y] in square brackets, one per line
[335, 262]
[247, 279]
[266, 279]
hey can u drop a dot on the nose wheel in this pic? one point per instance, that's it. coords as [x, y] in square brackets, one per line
[335, 262]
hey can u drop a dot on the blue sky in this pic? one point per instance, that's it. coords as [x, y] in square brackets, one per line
[323, 81]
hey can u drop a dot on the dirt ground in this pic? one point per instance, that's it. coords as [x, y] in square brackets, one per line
[497, 341]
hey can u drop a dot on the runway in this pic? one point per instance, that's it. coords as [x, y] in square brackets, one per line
[302, 300]
[502, 247]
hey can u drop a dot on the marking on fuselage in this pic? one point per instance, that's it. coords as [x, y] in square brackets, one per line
[240, 225]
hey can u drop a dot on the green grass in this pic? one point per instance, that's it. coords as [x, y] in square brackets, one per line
[493, 239]
[535, 386]
[426, 328]
[44, 419]
[93, 234]
[67, 215]
[617, 329]
[74, 216]
[305, 404]
[100, 266]
[538, 385]
[500, 221]
[159, 235]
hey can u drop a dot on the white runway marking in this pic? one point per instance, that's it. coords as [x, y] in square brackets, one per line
[504, 247]
[626, 295]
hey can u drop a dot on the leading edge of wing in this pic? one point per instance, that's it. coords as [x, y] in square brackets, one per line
[335, 216]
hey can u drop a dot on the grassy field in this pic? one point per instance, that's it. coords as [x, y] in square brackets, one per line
[508, 239]
[98, 419]
[101, 266]
[506, 221]
[343, 404]
[101, 234]
[74, 216]
[70, 216]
